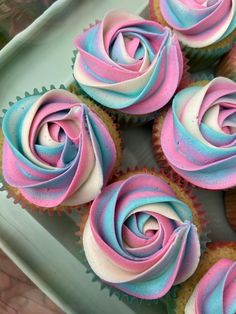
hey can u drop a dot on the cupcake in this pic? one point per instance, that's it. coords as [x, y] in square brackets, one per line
[129, 65]
[198, 134]
[139, 237]
[58, 151]
[205, 28]
[212, 287]
[227, 66]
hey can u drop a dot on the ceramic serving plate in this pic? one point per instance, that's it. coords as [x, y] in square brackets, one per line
[45, 247]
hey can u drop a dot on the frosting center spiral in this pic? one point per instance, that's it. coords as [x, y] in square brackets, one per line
[138, 235]
[55, 148]
[128, 63]
[199, 23]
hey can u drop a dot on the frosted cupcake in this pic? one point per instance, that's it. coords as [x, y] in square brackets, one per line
[128, 64]
[139, 237]
[59, 150]
[205, 28]
[198, 135]
[212, 287]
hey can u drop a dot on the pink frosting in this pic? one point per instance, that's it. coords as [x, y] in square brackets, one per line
[200, 23]
[216, 291]
[139, 237]
[128, 63]
[198, 135]
[56, 150]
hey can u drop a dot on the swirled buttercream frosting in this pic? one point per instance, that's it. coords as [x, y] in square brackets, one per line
[200, 23]
[216, 291]
[198, 137]
[139, 237]
[56, 150]
[127, 63]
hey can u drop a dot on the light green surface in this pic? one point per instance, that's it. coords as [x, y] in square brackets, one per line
[42, 246]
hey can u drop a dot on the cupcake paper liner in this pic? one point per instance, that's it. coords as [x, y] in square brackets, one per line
[215, 252]
[201, 79]
[201, 59]
[230, 207]
[186, 78]
[227, 66]
[14, 193]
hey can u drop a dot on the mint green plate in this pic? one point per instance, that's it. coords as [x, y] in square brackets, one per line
[45, 247]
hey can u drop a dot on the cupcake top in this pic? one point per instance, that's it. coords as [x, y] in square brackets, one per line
[127, 63]
[200, 23]
[215, 292]
[139, 237]
[198, 135]
[56, 150]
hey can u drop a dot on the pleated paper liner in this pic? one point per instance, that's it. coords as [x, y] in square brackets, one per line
[14, 193]
[227, 66]
[187, 78]
[230, 207]
[204, 58]
[199, 58]
[215, 252]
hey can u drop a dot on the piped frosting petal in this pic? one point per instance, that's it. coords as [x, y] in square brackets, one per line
[128, 63]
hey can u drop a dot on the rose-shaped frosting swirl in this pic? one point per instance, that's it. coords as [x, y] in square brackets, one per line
[198, 136]
[216, 291]
[128, 63]
[56, 150]
[139, 238]
[200, 23]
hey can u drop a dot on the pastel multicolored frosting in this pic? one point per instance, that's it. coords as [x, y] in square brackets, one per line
[56, 150]
[128, 63]
[198, 137]
[139, 237]
[200, 23]
[216, 291]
